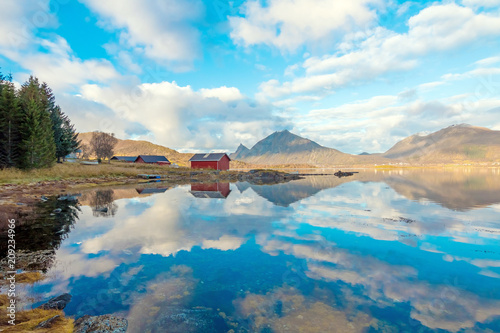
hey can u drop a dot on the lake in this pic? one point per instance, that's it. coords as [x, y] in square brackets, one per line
[381, 251]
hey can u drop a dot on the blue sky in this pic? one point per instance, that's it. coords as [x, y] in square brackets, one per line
[199, 75]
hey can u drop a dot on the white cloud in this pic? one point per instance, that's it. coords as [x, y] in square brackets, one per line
[403, 8]
[484, 74]
[163, 30]
[224, 93]
[20, 19]
[430, 85]
[379, 51]
[61, 69]
[481, 3]
[488, 61]
[377, 123]
[288, 24]
[180, 117]
[51, 59]
[90, 116]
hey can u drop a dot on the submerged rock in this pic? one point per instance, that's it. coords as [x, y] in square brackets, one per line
[101, 324]
[30, 261]
[56, 303]
[178, 320]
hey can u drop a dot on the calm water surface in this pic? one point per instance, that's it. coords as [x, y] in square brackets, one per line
[396, 251]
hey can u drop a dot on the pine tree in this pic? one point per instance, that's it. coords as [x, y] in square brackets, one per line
[37, 148]
[70, 142]
[9, 125]
[65, 137]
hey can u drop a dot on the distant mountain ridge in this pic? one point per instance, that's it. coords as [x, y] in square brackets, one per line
[454, 144]
[284, 147]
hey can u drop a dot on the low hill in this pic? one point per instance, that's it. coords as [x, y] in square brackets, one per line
[457, 143]
[134, 148]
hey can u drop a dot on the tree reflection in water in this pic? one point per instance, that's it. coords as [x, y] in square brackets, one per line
[40, 234]
[102, 203]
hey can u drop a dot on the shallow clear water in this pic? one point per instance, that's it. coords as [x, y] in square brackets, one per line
[376, 252]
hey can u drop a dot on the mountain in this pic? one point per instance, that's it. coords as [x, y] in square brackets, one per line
[457, 143]
[287, 148]
[284, 142]
[134, 148]
[240, 152]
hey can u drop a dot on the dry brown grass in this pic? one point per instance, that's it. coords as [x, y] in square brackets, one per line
[69, 171]
[29, 277]
[27, 320]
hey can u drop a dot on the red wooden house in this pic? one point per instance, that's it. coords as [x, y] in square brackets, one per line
[216, 161]
[152, 159]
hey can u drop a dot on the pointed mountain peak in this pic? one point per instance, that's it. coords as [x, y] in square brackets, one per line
[283, 142]
[461, 125]
[285, 134]
[240, 152]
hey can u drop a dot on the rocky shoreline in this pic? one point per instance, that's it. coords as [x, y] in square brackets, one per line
[16, 199]
[85, 324]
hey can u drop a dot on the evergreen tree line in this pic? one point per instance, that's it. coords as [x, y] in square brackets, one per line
[34, 132]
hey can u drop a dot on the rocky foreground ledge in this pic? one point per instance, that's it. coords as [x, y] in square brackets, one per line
[85, 324]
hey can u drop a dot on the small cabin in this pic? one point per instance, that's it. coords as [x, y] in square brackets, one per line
[129, 159]
[152, 159]
[215, 161]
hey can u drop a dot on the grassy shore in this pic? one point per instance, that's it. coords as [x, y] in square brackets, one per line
[76, 171]
[115, 171]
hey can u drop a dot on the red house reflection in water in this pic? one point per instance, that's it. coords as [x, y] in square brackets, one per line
[210, 190]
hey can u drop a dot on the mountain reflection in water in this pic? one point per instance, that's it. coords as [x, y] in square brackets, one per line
[413, 251]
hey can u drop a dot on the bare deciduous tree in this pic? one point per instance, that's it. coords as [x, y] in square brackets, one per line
[103, 144]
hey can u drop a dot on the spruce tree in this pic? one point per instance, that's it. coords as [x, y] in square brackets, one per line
[65, 136]
[70, 142]
[9, 125]
[37, 148]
